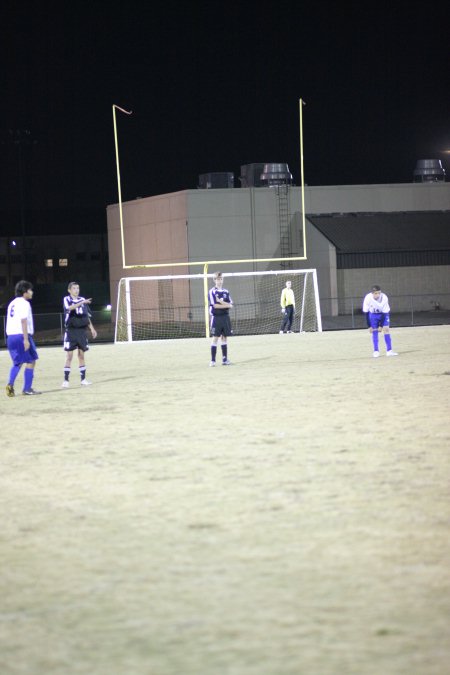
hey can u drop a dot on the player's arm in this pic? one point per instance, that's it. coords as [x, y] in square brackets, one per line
[86, 301]
[92, 329]
[26, 341]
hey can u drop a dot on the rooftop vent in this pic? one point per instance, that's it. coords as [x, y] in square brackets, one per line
[251, 175]
[220, 179]
[429, 171]
[276, 174]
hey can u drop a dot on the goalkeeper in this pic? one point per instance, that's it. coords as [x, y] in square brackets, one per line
[287, 308]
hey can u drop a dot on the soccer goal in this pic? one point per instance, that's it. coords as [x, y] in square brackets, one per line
[176, 306]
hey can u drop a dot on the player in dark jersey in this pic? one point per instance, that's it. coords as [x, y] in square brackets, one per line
[220, 303]
[77, 319]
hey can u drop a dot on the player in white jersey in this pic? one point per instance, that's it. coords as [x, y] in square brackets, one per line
[20, 343]
[376, 307]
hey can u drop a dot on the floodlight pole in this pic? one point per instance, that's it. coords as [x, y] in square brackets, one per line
[302, 179]
[118, 175]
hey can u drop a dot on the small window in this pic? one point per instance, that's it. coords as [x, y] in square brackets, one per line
[48, 262]
[63, 262]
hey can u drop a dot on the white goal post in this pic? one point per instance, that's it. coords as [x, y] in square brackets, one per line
[176, 306]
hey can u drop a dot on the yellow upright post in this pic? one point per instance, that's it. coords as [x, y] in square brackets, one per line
[122, 238]
[302, 179]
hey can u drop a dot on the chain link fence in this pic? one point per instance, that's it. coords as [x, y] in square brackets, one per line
[337, 314]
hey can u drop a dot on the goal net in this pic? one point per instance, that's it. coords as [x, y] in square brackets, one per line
[176, 306]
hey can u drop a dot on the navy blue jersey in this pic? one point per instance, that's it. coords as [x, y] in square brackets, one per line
[77, 318]
[214, 295]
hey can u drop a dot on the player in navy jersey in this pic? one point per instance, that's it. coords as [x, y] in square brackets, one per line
[19, 331]
[220, 303]
[376, 307]
[77, 320]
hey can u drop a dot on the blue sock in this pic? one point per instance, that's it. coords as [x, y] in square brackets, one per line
[388, 341]
[375, 340]
[224, 352]
[213, 352]
[82, 372]
[13, 373]
[28, 379]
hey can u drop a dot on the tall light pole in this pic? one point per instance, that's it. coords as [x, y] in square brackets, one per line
[127, 112]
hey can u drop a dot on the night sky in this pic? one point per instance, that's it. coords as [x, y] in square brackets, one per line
[214, 86]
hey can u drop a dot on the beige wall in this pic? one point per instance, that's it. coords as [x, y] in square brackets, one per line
[243, 223]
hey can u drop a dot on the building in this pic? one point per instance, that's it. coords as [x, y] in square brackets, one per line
[396, 235]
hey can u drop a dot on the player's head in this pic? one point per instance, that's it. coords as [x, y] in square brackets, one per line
[376, 291]
[218, 278]
[73, 288]
[23, 287]
[288, 284]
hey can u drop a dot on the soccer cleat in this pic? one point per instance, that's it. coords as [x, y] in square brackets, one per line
[212, 364]
[31, 392]
[376, 355]
[225, 362]
[10, 390]
[391, 353]
[65, 384]
[281, 332]
[85, 383]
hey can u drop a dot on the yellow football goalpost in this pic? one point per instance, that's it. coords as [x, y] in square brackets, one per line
[206, 263]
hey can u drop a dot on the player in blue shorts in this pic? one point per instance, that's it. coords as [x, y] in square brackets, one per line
[220, 303]
[20, 343]
[376, 307]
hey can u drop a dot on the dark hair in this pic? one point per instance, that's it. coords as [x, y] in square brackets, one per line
[217, 274]
[72, 283]
[376, 288]
[22, 287]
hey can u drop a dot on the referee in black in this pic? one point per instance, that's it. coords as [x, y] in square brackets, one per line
[220, 303]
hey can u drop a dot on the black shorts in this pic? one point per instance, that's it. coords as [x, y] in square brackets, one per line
[76, 338]
[221, 325]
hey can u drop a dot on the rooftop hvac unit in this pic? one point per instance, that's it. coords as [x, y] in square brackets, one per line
[223, 179]
[429, 171]
[276, 174]
[251, 175]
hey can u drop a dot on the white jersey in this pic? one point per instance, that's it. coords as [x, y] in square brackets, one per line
[379, 306]
[19, 309]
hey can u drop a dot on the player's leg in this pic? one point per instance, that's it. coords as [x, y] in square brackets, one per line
[374, 330]
[387, 337]
[214, 340]
[82, 367]
[16, 352]
[67, 365]
[31, 357]
[290, 313]
[226, 332]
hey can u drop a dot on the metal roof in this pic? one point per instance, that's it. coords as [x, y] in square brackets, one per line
[370, 232]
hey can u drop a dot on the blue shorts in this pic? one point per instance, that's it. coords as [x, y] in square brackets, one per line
[17, 352]
[379, 320]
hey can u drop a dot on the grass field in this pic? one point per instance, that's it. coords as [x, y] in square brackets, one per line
[287, 515]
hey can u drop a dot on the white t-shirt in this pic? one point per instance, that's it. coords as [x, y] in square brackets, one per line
[376, 306]
[19, 309]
